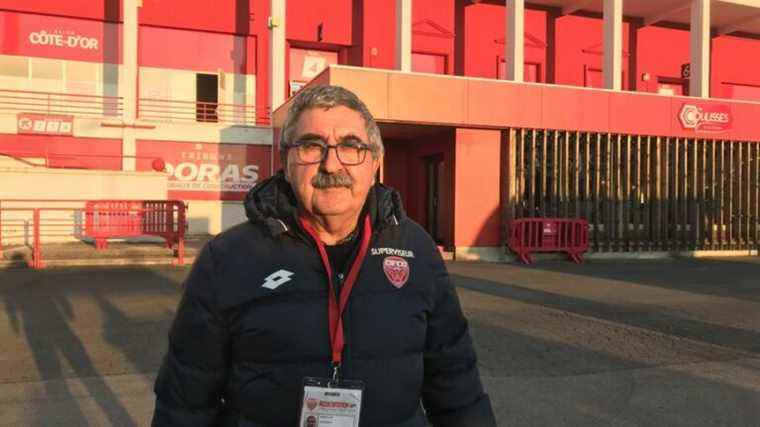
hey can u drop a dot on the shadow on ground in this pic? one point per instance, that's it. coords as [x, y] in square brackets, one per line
[575, 352]
[85, 323]
[725, 277]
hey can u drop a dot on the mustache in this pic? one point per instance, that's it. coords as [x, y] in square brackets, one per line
[331, 180]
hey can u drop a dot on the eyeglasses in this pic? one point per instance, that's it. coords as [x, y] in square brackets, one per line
[311, 151]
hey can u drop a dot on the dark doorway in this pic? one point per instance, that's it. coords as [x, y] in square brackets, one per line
[207, 97]
[433, 191]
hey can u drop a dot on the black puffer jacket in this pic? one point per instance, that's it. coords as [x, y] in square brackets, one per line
[238, 352]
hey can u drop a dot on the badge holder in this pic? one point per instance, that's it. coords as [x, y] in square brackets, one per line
[331, 402]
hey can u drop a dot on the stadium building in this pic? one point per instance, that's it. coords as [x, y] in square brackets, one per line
[642, 117]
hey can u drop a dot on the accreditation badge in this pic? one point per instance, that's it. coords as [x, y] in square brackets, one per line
[330, 403]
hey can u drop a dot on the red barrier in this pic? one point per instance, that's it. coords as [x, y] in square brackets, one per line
[104, 219]
[527, 235]
[107, 219]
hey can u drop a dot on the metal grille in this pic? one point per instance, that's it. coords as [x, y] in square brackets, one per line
[639, 193]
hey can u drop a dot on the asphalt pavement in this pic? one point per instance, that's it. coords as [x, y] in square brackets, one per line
[607, 343]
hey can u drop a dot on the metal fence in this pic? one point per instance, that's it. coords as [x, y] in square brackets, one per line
[639, 193]
[166, 110]
[61, 103]
[35, 223]
[155, 110]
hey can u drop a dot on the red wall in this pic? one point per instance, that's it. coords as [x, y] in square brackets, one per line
[65, 151]
[374, 33]
[195, 50]
[655, 60]
[485, 30]
[305, 16]
[102, 10]
[477, 206]
[579, 46]
[232, 35]
[433, 29]
[224, 16]
[735, 60]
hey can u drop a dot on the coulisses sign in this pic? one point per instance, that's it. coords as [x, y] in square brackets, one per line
[706, 117]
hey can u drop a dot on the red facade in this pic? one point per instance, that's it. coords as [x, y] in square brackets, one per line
[451, 36]
[209, 62]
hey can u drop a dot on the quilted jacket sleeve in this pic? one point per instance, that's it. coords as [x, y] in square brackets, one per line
[452, 393]
[191, 379]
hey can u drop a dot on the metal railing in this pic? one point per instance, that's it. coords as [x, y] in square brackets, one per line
[166, 110]
[61, 103]
[112, 107]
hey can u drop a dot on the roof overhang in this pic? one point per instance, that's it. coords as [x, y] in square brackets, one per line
[468, 102]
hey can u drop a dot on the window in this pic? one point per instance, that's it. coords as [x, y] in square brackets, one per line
[428, 63]
[206, 97]
[43, 68]
[14, 66]
[531, 71]
[81, 77]
[154, 83]
[594, 77]
[672, 86]
[81, 71]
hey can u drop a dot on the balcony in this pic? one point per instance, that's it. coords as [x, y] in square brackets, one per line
[149, 110]
[88, 106]
[166, 110]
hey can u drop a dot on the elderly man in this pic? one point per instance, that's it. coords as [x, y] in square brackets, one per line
[328, 306]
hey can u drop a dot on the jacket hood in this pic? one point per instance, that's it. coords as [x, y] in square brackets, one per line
[272, 202]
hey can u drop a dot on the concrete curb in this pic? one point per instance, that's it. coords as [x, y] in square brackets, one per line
[503, 255]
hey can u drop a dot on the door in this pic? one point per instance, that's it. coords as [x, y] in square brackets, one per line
[433, 191]
[206, 97]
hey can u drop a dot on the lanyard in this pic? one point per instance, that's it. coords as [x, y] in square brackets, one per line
[335, 307]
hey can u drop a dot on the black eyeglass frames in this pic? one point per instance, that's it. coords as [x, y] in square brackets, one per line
[350, 153]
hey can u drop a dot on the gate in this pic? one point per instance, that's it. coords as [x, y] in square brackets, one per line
[639, 193]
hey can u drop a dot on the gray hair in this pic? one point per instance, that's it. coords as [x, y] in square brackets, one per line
[325, 96]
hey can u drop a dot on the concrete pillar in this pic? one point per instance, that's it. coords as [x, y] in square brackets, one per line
[404, 35]
[129, 81]
[612, 68]
[514, 55]
[277, 48]
[699, 83]
[477, 214]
